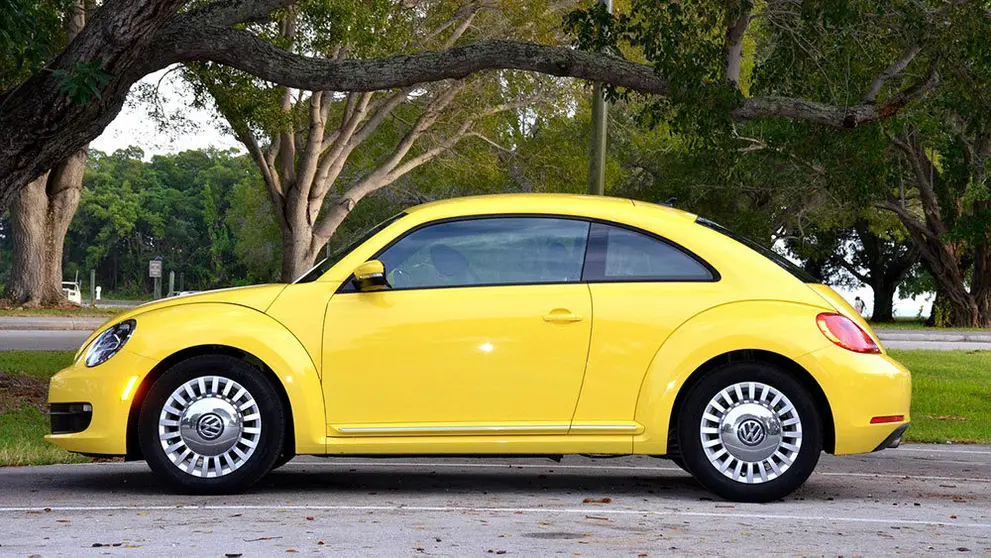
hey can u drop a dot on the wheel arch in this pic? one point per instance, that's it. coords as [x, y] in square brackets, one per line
[134, 447]
[777, 360]
[780, 332]
[241, 332]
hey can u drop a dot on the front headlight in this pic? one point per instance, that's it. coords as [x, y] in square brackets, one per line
[109, 342]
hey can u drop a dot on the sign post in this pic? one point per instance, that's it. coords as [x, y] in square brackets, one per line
[155, 272]
[597, 142]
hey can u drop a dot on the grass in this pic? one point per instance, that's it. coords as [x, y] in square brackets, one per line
[67, 311]
[922, 326]
[40, 365]
[951, 395]
[22, 431]
[24, 379]
[951, 401]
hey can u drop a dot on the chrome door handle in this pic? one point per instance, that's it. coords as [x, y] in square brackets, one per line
[563, 317]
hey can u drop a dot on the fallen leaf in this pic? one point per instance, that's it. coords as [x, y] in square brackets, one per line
[597, 500]
[309, 518]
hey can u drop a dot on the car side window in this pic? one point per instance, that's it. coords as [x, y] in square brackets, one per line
[620, 254]
[488, 251]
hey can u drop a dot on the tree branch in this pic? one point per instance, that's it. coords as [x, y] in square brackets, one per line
[242, 50]
[733, 49]
[831, 115]
[891, 71]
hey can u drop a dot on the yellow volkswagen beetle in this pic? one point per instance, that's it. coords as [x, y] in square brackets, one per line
[510, 324]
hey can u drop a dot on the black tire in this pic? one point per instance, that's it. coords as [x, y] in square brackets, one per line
[677, 460]
[283, 459]
[268, 443]
[694, 454]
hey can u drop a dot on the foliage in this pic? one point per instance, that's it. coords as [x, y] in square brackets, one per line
[31, 35]
[187, 208]
[83, 82]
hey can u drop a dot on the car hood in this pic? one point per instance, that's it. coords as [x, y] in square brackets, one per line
[259, 297]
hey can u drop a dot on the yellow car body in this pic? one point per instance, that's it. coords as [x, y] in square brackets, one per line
[550, 368]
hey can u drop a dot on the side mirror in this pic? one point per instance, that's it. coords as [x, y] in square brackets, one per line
[370, 276]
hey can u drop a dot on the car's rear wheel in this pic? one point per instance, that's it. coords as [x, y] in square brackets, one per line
[749, 432]
[212, 424]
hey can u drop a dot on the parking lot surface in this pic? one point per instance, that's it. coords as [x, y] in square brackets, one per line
[914, 500]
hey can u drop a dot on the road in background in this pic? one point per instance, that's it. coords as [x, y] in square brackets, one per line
[913, 500]
[42, 340]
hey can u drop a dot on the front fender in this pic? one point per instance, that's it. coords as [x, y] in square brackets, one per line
[785, 328]
[157, 337]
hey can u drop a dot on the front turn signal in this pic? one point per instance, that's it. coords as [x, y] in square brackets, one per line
[844, 332]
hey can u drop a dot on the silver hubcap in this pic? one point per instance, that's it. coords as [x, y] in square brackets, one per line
[209, 426]
[751, 432]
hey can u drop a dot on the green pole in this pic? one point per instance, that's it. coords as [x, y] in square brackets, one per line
[597, 145]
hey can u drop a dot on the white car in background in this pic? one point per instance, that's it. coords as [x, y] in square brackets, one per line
[72, 293]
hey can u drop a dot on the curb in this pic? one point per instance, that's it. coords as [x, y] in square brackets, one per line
[50, 324]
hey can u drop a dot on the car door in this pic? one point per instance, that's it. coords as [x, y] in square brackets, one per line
[643, 287]
[484, 330]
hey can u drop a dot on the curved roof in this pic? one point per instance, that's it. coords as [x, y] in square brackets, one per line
[567, 203]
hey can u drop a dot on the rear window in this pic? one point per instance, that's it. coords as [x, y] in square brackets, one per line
[783, 262]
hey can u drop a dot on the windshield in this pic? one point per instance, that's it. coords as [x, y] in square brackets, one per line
[327, 263]
[788, 265]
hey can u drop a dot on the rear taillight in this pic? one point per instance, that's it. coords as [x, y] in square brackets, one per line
[846, 333]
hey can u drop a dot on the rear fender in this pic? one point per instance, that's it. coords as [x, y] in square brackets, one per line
[785, 328]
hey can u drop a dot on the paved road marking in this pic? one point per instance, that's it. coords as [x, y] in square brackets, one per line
[393, 464]
[927, 450]
[471, 509]
[602, 468]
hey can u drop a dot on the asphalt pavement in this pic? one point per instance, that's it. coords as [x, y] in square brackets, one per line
[914, 500]
[26, 340]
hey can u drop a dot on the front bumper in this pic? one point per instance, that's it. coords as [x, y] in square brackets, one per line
[104, 389]
[858, 388]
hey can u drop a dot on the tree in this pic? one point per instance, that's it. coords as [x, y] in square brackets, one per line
[871, 250]
[931, 159]
[55, 112]
[319, 146]
[42, 210]
[183, 207]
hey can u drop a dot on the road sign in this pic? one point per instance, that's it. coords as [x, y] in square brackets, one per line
[155, 268]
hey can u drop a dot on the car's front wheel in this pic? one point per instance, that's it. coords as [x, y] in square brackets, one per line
[749, 432]
[212, 424]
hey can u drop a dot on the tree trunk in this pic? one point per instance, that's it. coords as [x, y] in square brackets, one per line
[296, 256]
[40, 218]
[981, 283]
[884, 294]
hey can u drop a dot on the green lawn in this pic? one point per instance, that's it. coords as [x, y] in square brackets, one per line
[951, 401]
[951, 395]
[23, 393]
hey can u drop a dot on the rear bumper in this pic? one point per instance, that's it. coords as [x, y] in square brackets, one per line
[894, 439]
[860, 387]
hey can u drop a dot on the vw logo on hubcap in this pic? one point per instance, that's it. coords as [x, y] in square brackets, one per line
[750, 432]
[210, 426]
